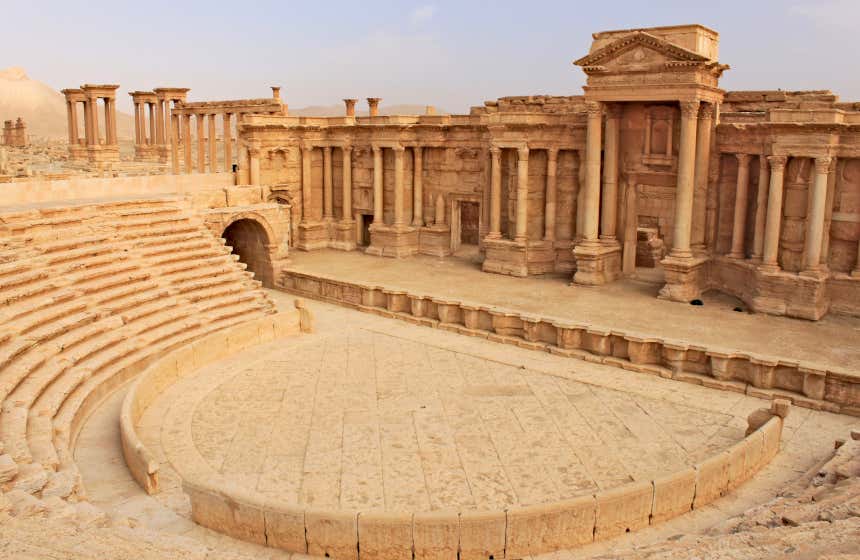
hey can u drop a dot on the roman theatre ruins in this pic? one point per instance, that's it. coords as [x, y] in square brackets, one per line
[622, 324]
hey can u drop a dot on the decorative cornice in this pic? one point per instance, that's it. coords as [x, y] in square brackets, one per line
[639, 38]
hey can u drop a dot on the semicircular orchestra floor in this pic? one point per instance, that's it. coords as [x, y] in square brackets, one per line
[401, 418]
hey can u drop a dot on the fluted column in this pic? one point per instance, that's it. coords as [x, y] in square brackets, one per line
[228, 142]
[774, 213]
[377, 187]
[347, 183]
[522, 195]
[213, 155]
[686, 172]
[700, 176]
[417, 186]
[306, 182]
[201, 143]
[815, 216]
[398, 185]
[551, 193]
[740, 219]
[495, 193]
[137, 131]
[591, 195]
[152, 136]
[760, 207]
[610, 174]
[174, 143]
[186, 135]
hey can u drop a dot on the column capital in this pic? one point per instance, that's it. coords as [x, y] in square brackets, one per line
[523, 153]
[347, 148]
[743, 159]
[706, 111]
[254, 151]
[613, 110]
[495, 151]
[306, 146]
[822, 165]
[398, 150]
[594, 108]
[689, 109]
[376, 149]
[327, 150]
[552, 153]
[777, 162]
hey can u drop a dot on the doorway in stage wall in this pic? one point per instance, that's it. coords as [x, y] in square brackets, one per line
[363, 221]
[466, 228]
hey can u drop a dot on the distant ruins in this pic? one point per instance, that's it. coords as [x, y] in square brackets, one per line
[15, 133]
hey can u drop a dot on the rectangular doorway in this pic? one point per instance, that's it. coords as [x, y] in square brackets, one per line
[469, 222]
[364, 221]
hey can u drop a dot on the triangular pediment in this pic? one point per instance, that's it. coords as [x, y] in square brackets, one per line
[639, 49]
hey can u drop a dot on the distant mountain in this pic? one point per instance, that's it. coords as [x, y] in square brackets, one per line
[42, 107]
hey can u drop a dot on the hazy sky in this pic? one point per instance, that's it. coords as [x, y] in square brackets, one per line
[450, 54]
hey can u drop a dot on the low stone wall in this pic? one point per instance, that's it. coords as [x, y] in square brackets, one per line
[168, 369]
[476, 535]
[806, 385]
[31, 192]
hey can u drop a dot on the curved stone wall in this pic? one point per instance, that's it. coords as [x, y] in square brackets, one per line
[762, 376]
[219, 504]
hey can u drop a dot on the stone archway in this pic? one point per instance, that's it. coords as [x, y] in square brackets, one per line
[250, 240]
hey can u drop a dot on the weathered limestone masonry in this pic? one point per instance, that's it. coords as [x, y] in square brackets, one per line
[759, 375]
[94, 147]
[752, 193]
[15, 133]
[152, 142]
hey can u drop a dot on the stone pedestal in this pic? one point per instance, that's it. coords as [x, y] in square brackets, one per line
[393, 241]
[435, 240]
[102, 153]
[344, 235]
[518, 258]
[564, 261]
[597, 262]
[795, 295]
[685, 278]
[312, 235]
[148, 152]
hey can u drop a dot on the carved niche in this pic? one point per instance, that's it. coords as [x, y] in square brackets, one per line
[659, 124]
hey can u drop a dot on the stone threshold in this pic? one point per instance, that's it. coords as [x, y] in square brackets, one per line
[804, 384]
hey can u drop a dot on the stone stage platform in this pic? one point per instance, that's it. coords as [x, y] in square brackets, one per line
[831, 343]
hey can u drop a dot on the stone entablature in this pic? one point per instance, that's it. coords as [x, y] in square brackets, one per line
[15, 133]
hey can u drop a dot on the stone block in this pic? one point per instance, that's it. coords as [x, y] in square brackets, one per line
[482, 535]
[623, 509]
[753, 453]
[332, 533]
[772, 432]
[221, 512]
[550, 527]
[285, 527]
[673, 495]
[436, 535]
[713, 479]
[385, 536]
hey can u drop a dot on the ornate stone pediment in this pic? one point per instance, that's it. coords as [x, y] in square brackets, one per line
[639, 51]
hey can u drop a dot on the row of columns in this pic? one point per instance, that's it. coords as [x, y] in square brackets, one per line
[92, 134]
[145, 111]
[206, 142]
[768, 217]
[328, 188]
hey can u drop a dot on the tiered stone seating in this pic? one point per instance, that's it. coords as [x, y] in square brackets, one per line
[88, 292]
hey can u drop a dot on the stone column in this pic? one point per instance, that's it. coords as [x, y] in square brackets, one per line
[71, 122]
[159, 123]
[228, 142]
[610, 174]
[347, 184]
[591, 196]
[398, 185]
[201, 143]
[760, 207]
[88, 123]
[856, 272]
[521, 235]
[378, 217]
[328, 202]
[74, 116]
[741, 195]
[686, 175]
[373, 105]
[94, 121]
[186, 135]
[815, 216]
[137, 130]
[213, 154]
[174, 143]
[152, 135]
[254, 165]
[700, 176]
[495, 193]
[307, 150]
[350, 107]
[551, 193]
[774, 213]
[417, 186]
[111, 129]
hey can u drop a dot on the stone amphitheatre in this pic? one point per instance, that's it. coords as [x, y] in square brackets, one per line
[622, 324]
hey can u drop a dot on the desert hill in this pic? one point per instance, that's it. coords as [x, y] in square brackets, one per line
[42, 107]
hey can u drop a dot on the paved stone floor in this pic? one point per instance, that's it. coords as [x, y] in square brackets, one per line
[627, 304]
[610, 425]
